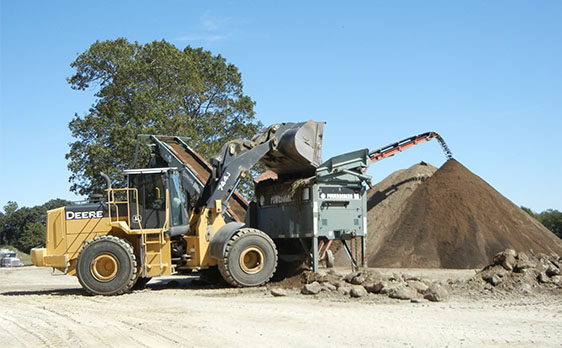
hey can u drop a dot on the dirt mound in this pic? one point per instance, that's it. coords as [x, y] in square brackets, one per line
[454, 219]
[513, 273]
[385, 202]
[525, 270]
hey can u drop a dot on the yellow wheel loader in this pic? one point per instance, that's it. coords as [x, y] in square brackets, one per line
[155, 227]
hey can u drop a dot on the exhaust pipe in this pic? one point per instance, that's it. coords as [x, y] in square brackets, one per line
[107, 180]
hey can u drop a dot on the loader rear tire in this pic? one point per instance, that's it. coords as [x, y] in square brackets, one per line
[250, 258]
[107, 265]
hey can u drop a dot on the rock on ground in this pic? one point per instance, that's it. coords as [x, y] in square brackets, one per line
[311, 289]
[420, 286]
[436, 293]
[278, 292]
[358, 291]
[403, 292]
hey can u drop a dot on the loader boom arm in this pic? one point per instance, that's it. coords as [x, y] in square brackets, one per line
[236, 158]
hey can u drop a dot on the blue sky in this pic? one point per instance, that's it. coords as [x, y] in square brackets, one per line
[486, 75]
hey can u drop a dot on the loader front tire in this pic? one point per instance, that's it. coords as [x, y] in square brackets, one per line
[250, 258]
[107, 265]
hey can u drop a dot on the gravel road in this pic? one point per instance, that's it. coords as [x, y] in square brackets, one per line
[38, 309]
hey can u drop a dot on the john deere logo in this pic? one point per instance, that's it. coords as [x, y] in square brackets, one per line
[137, 219]
[79, 215]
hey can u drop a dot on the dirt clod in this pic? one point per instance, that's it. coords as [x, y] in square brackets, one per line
[506, 259]
[358, 291]
[375, 287]
[552, 271]
[543, 278]
[418, 285]
[403, 292]
[311, 289]
[492, 279]
[436, 293]
[278, 292]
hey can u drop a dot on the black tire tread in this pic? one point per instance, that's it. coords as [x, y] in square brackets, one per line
[125, 245]
[223, 263]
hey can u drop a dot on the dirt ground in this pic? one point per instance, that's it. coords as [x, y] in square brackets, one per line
[38, 309]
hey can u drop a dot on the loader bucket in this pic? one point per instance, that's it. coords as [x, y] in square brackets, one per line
[298, 150]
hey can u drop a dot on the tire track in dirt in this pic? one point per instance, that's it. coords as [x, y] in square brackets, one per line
[46, 321]
[69, 322]
[28, 327]
[15, 334]
[123, 309]
[99, 325]
[60, 321]
[147, 318]
[130, 307]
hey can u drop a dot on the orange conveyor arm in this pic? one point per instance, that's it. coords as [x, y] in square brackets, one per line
[402, 145]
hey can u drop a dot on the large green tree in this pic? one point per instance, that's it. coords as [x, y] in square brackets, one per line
[153, 88]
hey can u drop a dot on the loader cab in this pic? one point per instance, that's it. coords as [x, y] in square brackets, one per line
[158, 192]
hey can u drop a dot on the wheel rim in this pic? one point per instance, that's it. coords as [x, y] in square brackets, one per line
[104, 267]
[252, 260]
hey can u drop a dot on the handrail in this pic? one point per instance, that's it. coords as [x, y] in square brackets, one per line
[111, 200]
